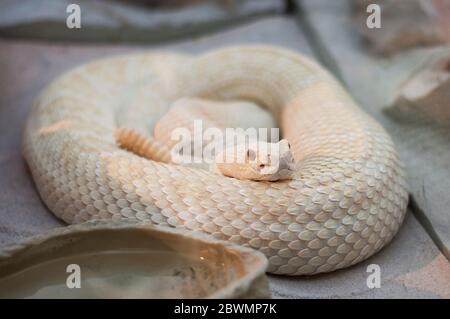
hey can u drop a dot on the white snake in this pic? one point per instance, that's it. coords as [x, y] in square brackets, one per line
[346, 199]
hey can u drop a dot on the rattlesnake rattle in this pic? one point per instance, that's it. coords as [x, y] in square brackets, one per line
[242, 154]
[347, 197]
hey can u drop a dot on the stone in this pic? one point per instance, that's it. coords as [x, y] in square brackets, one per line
[425, 96]
[397, 32]
[107, 21]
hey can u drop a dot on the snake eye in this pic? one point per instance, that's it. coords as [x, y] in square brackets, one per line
[289, 145]
[261, 165]
[251, 155]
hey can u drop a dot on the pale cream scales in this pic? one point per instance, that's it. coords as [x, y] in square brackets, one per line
[345, 200]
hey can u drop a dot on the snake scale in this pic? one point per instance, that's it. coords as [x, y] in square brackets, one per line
[347, 197]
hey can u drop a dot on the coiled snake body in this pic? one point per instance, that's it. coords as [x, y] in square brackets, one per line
[345, 201]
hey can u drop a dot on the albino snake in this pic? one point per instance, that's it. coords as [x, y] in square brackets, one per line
[346, 199]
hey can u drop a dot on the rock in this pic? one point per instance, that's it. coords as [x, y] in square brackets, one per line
[113, 21]
[404, 24]
[426, 94]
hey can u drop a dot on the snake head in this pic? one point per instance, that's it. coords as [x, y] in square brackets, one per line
[270, 161]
